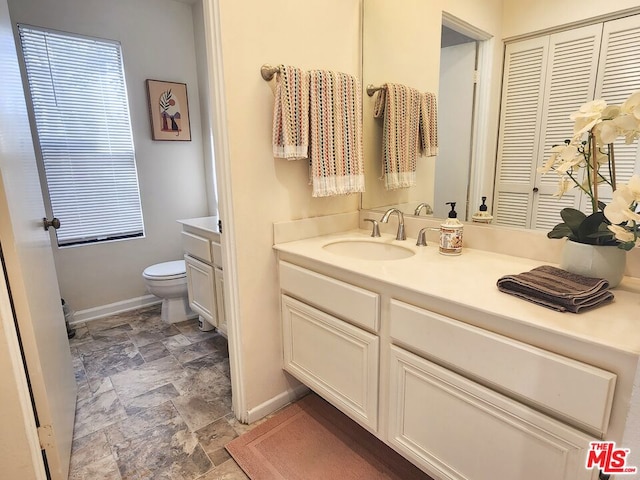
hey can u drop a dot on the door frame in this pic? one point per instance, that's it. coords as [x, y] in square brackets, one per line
[482, 167]
[218, 109]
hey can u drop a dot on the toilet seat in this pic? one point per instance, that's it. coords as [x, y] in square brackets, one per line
[166, 271]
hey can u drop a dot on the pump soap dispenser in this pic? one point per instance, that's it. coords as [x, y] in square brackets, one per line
[482, 216]
[451, 233]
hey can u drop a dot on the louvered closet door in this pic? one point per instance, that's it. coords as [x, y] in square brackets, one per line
[570, 82]
[521, 112]
[619, 76]
[545, 80]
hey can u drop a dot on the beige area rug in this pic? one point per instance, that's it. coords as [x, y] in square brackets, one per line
[312, 440]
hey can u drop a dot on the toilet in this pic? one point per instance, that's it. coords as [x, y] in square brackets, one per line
[168, 281]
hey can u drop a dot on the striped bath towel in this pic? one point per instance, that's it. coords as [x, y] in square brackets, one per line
[291, 114]
[337, 164]
[410, 130]
[428, 124]
[399, 105]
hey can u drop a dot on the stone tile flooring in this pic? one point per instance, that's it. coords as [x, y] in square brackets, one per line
[154, 401]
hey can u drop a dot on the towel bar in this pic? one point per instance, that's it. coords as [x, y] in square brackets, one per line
[371, 89]
[267, 71]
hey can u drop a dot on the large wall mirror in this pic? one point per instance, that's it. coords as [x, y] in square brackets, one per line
[413, 43]
[455, 49]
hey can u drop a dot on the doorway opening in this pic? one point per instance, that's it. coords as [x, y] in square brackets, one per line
[462, 57]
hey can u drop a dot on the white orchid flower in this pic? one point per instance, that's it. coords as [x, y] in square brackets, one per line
[588, 116]
[563, 152]
[629, 126]
[622, 233]
[582, 125]
[607, 131]
[610, 112]
[632, 105]
[570, 162]
[634, 187]
[591, 110]
[619, 211]
[563, 187]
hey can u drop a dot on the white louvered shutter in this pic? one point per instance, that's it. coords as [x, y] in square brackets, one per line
[81, 111]
[619, 76]
[570, 83]
[520, 116]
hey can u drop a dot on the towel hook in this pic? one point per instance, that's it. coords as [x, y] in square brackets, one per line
[268, 71]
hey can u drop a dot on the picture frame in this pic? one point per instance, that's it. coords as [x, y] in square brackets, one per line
[169, 111]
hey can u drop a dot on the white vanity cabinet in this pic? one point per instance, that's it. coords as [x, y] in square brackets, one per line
[460, 401]
[330, 342]
[203, 261]
[447, 412]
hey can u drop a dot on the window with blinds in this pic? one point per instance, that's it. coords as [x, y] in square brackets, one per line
[545, 80]
[81, 111]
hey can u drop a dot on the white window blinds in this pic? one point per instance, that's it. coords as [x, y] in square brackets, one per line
[82, 120]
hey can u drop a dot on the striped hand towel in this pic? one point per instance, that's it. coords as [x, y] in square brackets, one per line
[400, 106]
[337, 164]
[428, 124]
[291, 114]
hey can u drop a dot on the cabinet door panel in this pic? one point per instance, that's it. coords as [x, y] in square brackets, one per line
[457, 429]
[201, 288]
[335, 359]
[570, 390]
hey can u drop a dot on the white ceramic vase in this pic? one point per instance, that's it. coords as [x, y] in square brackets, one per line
[594, 261]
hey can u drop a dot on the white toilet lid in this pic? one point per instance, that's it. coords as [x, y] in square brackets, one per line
[166, 270]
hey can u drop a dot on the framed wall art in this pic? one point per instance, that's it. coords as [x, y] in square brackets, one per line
[169, 110]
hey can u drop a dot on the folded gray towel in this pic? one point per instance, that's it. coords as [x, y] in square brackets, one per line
[557, 289]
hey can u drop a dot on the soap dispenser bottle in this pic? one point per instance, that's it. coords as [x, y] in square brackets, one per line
[482, 215]
[451, 233]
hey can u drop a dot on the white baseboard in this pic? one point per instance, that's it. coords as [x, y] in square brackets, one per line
[113, 308]
[275, 403]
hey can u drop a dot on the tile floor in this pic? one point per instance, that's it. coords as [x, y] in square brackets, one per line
[154, 401]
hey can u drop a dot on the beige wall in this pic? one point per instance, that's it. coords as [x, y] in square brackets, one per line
[171, 174]
[321, 34]
[526, 16]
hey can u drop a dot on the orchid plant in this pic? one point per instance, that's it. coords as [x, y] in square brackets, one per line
[589, 163]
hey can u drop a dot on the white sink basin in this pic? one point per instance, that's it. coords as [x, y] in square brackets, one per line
[368, 250]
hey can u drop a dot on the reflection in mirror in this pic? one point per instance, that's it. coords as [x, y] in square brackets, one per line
[455, 122]
[406, 49]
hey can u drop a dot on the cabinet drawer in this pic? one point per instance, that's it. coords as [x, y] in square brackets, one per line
[337, 360]
[197, 246]
[577, 392]
[354, 304]
[216, 254]
[459, 430]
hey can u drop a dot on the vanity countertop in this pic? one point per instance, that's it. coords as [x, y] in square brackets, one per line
[470, 280]
[207, 224]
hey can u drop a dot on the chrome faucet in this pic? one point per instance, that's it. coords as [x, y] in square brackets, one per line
[427, 209]
[375, 232]
[422, 237]
[385, 218]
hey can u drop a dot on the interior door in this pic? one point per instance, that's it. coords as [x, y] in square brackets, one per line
[30, 270]
[455, 114]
